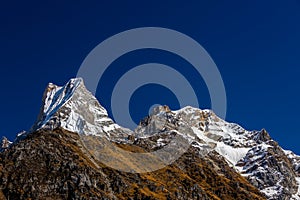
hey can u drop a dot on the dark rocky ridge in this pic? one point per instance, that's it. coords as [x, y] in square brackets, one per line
[55, 165]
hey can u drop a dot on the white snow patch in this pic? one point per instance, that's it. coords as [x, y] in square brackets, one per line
[272, 191]
[233, 155]
[297, 195]
[160, 142]
[110, 127]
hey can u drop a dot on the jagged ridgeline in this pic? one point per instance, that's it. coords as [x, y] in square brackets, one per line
[62, 156]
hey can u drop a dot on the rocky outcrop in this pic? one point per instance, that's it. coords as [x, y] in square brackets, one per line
[5, 143]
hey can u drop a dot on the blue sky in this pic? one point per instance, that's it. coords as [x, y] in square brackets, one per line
[255, 44]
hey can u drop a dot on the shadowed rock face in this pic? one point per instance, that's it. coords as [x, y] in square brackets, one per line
[74, 149]
[55, 165]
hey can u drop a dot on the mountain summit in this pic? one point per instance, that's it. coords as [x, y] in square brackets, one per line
[73, 108]
[62, 156]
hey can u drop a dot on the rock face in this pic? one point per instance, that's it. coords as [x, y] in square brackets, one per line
[5, 143]
[60, 158]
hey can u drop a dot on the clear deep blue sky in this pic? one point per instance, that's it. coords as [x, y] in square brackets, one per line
[255, 44]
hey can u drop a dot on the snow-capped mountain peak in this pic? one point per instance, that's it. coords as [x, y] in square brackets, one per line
[56, 96]
[74, 108]
[254, 154]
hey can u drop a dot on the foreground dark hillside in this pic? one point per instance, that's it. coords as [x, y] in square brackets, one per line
[55, 165]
